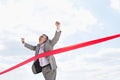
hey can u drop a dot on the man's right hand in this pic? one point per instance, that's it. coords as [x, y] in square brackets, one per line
[22, 40]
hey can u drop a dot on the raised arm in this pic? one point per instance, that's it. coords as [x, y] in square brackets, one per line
[28, 45]
[57, 34]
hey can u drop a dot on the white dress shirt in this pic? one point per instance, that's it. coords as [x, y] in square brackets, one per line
[43, 61]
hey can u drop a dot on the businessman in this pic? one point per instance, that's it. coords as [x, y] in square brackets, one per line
[47, 64]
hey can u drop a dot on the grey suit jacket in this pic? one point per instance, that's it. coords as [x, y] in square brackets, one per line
[48, 46]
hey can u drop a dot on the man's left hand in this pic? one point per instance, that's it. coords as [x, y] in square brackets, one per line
[57, 23]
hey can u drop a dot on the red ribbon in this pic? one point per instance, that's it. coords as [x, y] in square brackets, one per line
[61, 50]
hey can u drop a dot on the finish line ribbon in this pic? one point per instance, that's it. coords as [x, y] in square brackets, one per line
[61, 50]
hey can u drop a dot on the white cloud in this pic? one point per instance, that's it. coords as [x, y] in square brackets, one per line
[108, 51]
[115, 4]
[84, 19]
[2, 47]
[30, 17]
[13, 58]
[9, 61]
[91, 65]
[72, 66]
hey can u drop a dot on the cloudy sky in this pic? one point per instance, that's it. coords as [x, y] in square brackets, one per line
[81, 20]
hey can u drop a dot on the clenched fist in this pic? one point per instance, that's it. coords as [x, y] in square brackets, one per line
[57, 23]
[22, 40]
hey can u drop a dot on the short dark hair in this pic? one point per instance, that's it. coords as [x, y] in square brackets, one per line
[45, 36]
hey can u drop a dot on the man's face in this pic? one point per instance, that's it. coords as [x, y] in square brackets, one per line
[42, 39]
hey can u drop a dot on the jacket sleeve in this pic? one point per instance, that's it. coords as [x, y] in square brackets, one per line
[56, 38]
[30, 46]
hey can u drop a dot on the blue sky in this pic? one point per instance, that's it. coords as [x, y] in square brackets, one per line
[81, 20]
